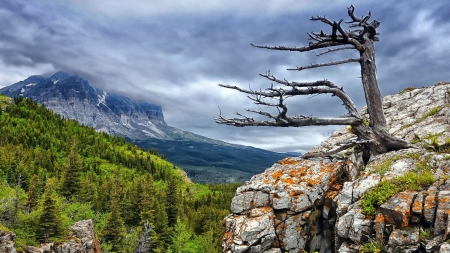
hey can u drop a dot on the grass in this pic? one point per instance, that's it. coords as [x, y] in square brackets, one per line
[434, 144]
[383, 166]
[432, 112]
[424, 234]
[373, 246]
[415, 180]
[416, 139]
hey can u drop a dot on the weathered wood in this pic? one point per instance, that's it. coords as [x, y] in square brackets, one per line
[374, 137]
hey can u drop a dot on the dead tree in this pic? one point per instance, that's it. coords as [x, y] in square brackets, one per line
[361, 35]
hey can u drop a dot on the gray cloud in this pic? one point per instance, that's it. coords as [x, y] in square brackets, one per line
[173, 54]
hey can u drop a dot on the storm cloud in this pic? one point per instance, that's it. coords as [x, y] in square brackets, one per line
[174, 53]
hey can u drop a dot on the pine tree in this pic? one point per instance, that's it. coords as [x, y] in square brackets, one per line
[33, 194]
[147, 200]
[49, 220]
[72, 170]
[114, 230]
[161, 226]
[180, 237]
[172, 202]
[131, 208]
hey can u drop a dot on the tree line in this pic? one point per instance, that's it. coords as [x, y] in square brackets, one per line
[54, 172]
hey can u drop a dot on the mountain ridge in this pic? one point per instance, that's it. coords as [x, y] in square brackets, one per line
[142, 123]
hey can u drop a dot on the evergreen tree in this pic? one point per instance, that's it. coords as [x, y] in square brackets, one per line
[180, 237]
[33, 194]
[172, 202]
[114, 229]
[49, 220]
[72, 170]
[147, 200]
[161, 226]
[131, 208]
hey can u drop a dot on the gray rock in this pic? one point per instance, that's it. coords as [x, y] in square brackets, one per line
[7, 242]
[242, 202]
[445, 248]
[429, 205]
[346, 248]
[397, 209]
[442, 213]
[354, 225]
[417, 208]
[404, 240]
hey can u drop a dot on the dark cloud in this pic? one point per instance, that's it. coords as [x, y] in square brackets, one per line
[175, 57]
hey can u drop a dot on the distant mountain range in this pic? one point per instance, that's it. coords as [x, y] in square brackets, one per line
[205, 160]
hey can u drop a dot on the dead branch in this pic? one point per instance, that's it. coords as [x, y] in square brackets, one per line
[334, 50]
[318, 65]
[360, 36]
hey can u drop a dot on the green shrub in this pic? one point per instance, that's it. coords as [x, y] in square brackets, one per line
[376, 196]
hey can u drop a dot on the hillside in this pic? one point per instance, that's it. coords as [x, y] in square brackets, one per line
[54, 172]
[205, 160]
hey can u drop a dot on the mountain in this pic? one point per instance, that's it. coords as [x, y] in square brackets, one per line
[205, 160]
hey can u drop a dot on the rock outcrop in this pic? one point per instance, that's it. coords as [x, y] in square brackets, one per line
[7, 241]
[323, 204]
[81, 239]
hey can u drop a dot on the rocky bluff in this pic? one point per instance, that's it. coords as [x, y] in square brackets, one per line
[73, 97]
[398, 202]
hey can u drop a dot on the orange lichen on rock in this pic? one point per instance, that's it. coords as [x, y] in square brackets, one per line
[298, 172]
[295, 193]
[228, 237]
[288, 180]
[332, 194]
[429, 202]
[288, 161]
[379, 218]
[277, 174]
[417, 206]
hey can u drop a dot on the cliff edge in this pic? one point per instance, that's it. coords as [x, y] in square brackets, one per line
[398, 202]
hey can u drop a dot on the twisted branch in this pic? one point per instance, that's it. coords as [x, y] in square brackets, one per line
[291, 89]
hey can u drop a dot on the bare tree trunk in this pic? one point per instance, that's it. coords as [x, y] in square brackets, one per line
[370, 84]
[375, 137]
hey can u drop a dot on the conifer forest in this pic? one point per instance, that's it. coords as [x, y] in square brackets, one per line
[54, 172]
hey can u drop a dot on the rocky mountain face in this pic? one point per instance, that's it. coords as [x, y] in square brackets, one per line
[73, 97]
[82, 238]
[398, 202]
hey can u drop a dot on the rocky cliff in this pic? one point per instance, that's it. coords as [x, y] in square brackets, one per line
[398, 202]
[73, 97]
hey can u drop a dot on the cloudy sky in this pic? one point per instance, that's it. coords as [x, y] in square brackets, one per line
[175, 52]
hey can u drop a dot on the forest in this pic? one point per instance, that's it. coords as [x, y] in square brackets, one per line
[54, 172]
